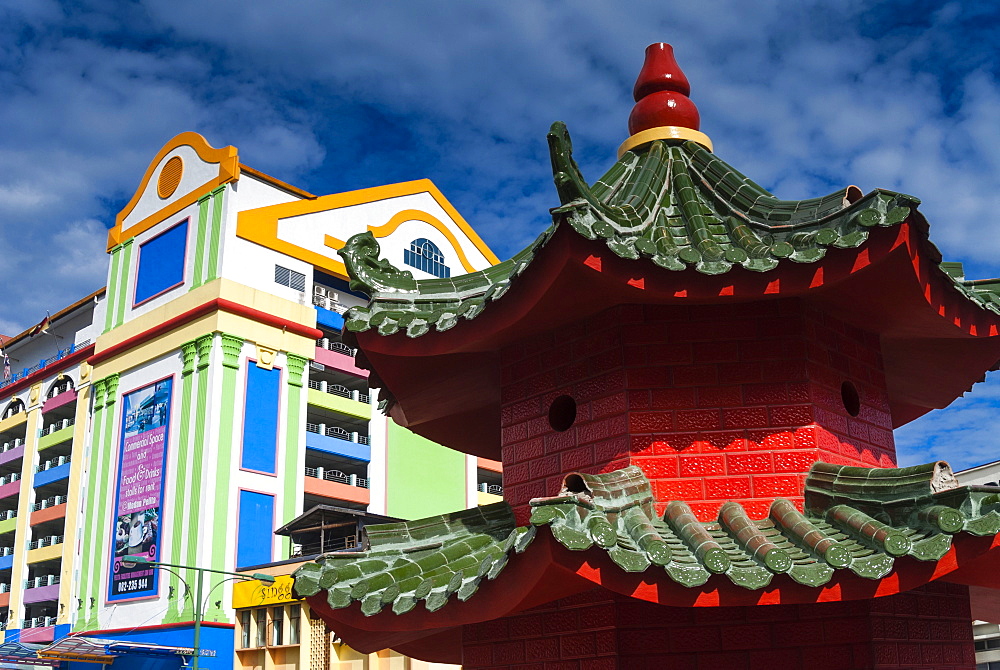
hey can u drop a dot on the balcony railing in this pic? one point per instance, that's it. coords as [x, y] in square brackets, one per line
[330, 301]
[62, 353]
[337, 432]
[495, 489]
[12, 444]
[52, 463]
[10, 479]
[39, 582]
[7, 515]
[336, 476]
[48, 502]
[6, 551]
[60, 388]
[331, 544]
[47, 541]
[334, 345]
[337, 389]
[39, 622]
[56, 425]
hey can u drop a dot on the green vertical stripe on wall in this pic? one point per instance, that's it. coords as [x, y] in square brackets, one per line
[216, 233]
[232, 346]
[196, 475]
[177, 506]
[199, 244]
[422, 477]
[295, 365]
[126, 268]
[99, 519]
[112, 297]
[87, 586]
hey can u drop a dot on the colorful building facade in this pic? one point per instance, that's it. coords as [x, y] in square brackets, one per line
[204, 399]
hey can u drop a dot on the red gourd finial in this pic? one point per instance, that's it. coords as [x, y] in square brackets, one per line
[661, 93]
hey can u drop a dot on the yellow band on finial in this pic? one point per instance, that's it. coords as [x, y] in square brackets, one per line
[664, 133]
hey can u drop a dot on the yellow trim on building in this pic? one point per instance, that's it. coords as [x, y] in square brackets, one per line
[229, 170]
[402, 217]
[74, 499]
[13, 421]
[167, 343]
[336, 403]
[49, 553]
[260, 226]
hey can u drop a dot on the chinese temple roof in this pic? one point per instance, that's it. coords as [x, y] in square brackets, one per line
[859, 522]
[672, 202]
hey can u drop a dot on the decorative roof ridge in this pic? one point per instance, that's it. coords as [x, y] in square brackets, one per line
[431, 559]
[671, 202]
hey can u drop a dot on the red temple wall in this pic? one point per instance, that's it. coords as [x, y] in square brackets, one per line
[713, 402]
[928, 628]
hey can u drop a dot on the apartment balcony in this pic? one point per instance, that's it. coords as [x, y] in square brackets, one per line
[52, 471]
[11, 450]
[329, 483]
[65, 396]
[338, 441]
[55, 433]
[339, 356]
[38, 622]
[40, 590]
[50, 512]
[7, 560]
[10, 485]
[331, 475]
[45, 546]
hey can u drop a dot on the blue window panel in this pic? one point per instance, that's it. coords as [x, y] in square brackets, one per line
[161, 263]
[329, 319]
[260, 419]
[254, 534]
[425, 255]
[338, 447]
[51, 475]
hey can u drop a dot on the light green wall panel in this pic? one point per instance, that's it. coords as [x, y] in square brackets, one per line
[423, 478]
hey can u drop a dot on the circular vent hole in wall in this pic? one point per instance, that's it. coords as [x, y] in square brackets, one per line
[849, 396]
[562, 413]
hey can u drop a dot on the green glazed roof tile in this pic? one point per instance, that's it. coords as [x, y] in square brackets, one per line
[856, 519]
[671, 202]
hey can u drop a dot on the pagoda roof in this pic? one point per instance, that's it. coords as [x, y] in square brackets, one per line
[892, 529]
[672, 202]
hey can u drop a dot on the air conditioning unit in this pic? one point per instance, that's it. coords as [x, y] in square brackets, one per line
[319, 290]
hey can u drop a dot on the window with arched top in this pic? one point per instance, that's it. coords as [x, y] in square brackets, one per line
[59, 386]
[16, 405]
[425, 255]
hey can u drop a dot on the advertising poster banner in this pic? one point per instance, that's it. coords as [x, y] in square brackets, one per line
[139, 498]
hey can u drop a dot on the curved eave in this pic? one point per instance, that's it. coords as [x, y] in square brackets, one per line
[936, 343]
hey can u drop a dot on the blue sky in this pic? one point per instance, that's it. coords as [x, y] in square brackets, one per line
[333, 96]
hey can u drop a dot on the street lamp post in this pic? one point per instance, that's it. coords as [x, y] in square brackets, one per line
[198, 614]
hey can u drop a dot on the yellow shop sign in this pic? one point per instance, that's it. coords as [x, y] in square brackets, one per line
[252, 593]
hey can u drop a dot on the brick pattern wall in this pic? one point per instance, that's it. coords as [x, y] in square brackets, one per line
[925, 629]
[714, 403]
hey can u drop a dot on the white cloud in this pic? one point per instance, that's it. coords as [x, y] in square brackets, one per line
[803, 98]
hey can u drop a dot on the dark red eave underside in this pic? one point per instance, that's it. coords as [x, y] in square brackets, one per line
[888, 285]
[547, 571]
